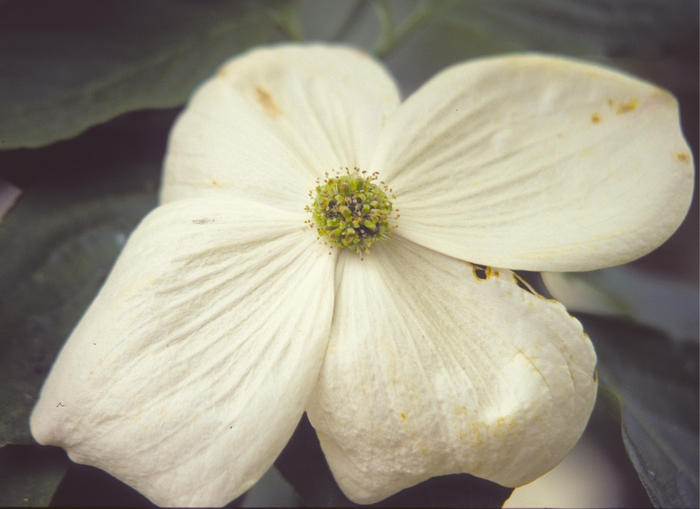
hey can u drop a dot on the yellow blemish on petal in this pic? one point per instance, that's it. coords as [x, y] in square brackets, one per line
[477, 434]
[267, 102]
[595, 118]
[502, 427]
[626, 107]
[683, 157]
[403, 416]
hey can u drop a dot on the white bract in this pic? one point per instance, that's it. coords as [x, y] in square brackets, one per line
[225, 318]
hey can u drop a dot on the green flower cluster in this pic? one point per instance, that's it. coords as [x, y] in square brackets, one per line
[352, 211]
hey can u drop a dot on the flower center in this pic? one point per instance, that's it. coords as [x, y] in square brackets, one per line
[351, 210]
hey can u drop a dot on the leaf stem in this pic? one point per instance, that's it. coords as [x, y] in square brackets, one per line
[392, 36]
[350, 21]
[288, 22]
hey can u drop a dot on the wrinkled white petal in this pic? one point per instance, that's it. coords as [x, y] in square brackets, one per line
[669, 305]
[189, 372]
[431, 370]
[273, 120]
[537, 163]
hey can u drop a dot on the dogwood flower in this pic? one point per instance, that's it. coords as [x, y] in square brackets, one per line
[272, 280]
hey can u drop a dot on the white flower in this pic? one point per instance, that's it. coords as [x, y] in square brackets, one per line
[225, 318]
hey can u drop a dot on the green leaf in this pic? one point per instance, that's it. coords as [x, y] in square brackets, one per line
[57, 245]
[29, 474]
[271, 490]
[304, 466]
[86, 486]
[610, 31]
[651, 299]
[607, 28]
[655, 381]
[66, 65]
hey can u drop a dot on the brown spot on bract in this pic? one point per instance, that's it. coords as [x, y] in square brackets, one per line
[481, 273]
[595, 118]
[626, 107]
[683, 157]
[267, 102]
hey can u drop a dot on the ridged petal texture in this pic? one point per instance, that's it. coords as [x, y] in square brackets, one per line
[436, 367]
[190, 370]
[537, 163]
[267, 125]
